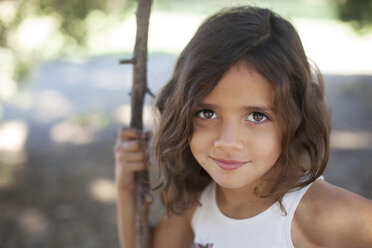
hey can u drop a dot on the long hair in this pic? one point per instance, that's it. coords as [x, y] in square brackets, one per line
[272, 46]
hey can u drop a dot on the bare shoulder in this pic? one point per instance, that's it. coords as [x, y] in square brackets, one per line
[329, 216]
[174, 231]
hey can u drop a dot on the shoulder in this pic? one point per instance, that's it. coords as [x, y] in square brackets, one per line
[333, 217]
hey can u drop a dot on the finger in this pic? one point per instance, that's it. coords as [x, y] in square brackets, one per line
[127, 157]
[136, 166]
[129, 146]
[128, 133]
[135, 157]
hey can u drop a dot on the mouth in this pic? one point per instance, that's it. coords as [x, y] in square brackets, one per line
[229, 164]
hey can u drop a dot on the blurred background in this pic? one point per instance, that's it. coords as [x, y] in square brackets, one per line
[63, 97]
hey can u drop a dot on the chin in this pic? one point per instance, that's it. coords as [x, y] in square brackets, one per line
[229, 183]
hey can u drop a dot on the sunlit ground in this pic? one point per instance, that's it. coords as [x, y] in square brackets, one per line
[351, 140]
[103, 190]
[13, 136]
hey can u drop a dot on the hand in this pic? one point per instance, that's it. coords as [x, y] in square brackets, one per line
[130, 156]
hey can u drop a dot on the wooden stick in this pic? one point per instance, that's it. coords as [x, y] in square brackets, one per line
[139, 89]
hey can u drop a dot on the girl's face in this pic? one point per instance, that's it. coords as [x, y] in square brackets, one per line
[236, 137]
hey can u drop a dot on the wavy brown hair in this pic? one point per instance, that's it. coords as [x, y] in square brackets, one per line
[272, 46]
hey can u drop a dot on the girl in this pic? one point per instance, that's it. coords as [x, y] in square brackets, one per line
[242, 140]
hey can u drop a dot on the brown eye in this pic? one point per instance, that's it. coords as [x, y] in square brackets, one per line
[257, 117]
[207, 114]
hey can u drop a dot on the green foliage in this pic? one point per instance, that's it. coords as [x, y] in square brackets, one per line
[67, 30]
[70, 13]
[357, 12]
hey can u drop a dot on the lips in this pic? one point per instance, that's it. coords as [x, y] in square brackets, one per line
[229, 164]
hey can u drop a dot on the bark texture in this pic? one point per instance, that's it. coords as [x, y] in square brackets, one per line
[139, 89]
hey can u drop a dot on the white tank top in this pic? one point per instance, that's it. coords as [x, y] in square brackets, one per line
[270, 228]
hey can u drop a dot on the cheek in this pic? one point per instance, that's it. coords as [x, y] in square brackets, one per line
[201, 138]
[196, 147]
[196, 140]
[265, 143]
[202, 131]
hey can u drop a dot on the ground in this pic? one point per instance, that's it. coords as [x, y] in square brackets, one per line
[56, 189]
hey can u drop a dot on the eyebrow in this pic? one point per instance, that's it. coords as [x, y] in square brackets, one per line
[246, 108]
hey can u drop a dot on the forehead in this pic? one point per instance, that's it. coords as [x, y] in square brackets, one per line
[242, 85]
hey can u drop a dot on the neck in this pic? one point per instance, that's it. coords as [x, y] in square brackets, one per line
[243, 202]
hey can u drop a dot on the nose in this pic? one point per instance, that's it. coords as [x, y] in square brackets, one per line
[229, 137]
